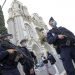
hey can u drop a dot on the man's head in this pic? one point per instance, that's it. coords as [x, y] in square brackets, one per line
[52, 22]
[23, 42]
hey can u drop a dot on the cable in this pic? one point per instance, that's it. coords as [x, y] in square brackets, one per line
[4, 3]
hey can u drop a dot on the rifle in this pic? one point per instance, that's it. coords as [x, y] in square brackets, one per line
[20, 54]
[67, 34]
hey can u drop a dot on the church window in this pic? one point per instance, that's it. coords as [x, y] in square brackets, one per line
[29, 30]
[19, 6]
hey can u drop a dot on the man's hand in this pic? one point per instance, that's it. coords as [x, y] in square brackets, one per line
[31, 71]
[61, 36]
[11, 51]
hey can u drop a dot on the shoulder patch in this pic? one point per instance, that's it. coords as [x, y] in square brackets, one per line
[53, 34]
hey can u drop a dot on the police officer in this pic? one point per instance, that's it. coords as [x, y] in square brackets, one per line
[29, 65]
[8, 64]
[64, 45]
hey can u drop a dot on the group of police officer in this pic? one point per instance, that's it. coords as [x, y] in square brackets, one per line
[10, 55]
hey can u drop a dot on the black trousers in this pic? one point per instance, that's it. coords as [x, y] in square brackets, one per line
[67, 55]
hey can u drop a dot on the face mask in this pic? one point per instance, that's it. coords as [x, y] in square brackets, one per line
[53, 23]
[23, 44]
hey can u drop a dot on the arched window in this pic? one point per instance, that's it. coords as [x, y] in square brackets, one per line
[19, 6]
[29, 30]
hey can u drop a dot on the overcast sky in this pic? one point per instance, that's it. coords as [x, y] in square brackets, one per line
[63, 11]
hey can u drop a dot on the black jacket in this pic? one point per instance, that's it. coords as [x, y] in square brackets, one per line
[28, 63]
[52, 37]
[8, 60]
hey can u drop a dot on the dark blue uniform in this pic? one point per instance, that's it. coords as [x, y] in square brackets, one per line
[65, 47]
[29, 64]
[34, 57]
[8, 65]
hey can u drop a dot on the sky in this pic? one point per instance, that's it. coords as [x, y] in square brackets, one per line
[63, 11]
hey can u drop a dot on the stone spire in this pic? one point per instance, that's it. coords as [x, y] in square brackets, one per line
[15, 0]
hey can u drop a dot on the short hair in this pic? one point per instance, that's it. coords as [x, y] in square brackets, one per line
[24, 40]
[51, 19]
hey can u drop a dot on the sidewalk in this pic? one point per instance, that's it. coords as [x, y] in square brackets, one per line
[43, 71]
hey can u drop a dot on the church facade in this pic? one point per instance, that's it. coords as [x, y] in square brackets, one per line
[22, 25]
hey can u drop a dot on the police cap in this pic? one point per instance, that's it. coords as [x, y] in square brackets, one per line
[51, 19]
